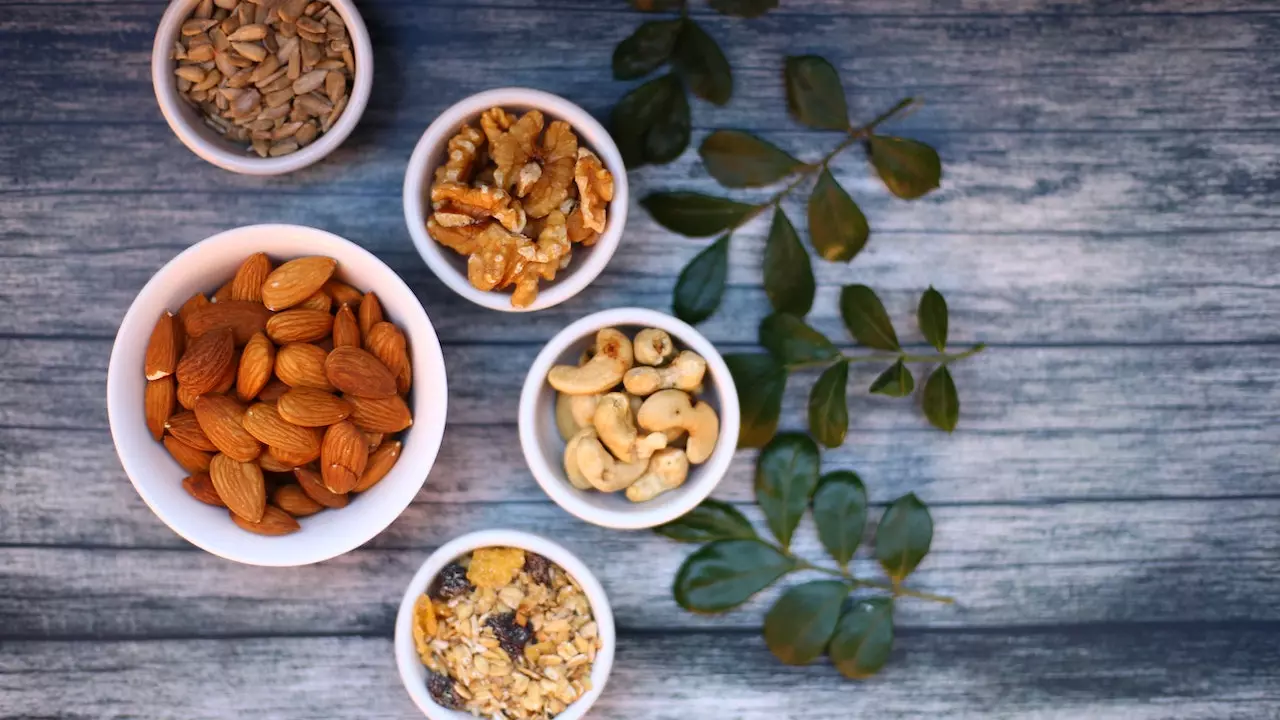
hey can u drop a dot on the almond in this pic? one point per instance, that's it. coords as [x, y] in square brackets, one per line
[384, 415]
[370, 313]
[164, 348]
[387, 343]
[157, 404]
[342, 457]
[380, 462]
[299, 325]
[205, 362]
[310, 407]
[302, 365]
[272, 391]
[200, 486]
[222, 294]
[274, 522]
[342, 293]
[186, 428]
[295, 281]
[357, 372]
[263, 421]
[293, 459]
[193, 303]
[313, 486]
[271, 463]
[317, 301]
[292, 499]
[191, 459]
[244, 318]
[186, 398]
[228, 378]
[404, 379]
[221, 418]
[253, 272]
[256, 365]
[346, 330]
[372, 440]
[240, 485]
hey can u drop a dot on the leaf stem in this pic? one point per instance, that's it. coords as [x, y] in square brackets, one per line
[899, 590]
[903, 356]
[866, 130]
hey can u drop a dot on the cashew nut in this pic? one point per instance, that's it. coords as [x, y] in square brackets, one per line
[602, 471]
[572, 469]
[616, 427]
[668, 469]
[666, 409]
[565, 421]
[653, 346]
[684, 373]
[602, 372]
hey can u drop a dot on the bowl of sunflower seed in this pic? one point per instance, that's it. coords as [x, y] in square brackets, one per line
[516, 198]
[501, 623]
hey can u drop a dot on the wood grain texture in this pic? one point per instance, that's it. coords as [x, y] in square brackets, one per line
[1106, 514]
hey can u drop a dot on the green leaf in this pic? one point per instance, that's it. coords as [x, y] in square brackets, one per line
[711, 520]
[703, 65]
[651, 123]
[695, 214]
[761, 381]
[863, 638]
[786, 475]
[828, 408]
[837, 228]
[657, 5]
[941, 404]
[701, 283]
[726, 573]
[866, 319]
[744, 8]
[814, 94]
[738, 159]
[800, 624]
[645, 49]
[903, 537]
[894, 382]
[788, 275]
[840, 512]
[792, 341]
[932, 317]
[908, 168]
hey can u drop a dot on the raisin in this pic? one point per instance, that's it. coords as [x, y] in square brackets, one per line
[512, 636]
[450, 583]
[441, 689]
[538, 567]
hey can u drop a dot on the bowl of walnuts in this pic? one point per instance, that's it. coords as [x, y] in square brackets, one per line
[276, 395]
[516, 198]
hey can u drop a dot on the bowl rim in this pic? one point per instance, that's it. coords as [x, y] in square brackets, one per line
[641, 515]
[409, 664]
[137, 324]
[573, 279]
[205, 144]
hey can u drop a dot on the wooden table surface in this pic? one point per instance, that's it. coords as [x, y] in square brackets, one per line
[1107, 513]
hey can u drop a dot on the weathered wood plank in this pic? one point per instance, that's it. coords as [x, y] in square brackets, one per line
[1131, 672]
[1116, 70]
[1008, 566]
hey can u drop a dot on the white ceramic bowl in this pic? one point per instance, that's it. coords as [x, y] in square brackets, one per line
[186, 123]
[431, 152]
[544, 448]
[157, 477]
[414, 674]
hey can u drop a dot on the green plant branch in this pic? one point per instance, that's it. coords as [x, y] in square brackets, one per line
[807, 170]
[903, 356]
[854, 583]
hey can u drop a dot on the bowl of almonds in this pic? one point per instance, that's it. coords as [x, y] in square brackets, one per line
[276, 395]
[516, 198]
[262, 87]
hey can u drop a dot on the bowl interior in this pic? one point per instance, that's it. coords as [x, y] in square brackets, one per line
[517, 100]
[614, 508]
[157, 477]
[413, 673]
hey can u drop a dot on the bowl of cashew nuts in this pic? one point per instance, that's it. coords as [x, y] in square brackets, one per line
[628, 418]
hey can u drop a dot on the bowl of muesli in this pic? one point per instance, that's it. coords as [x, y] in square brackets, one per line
[506, 624]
